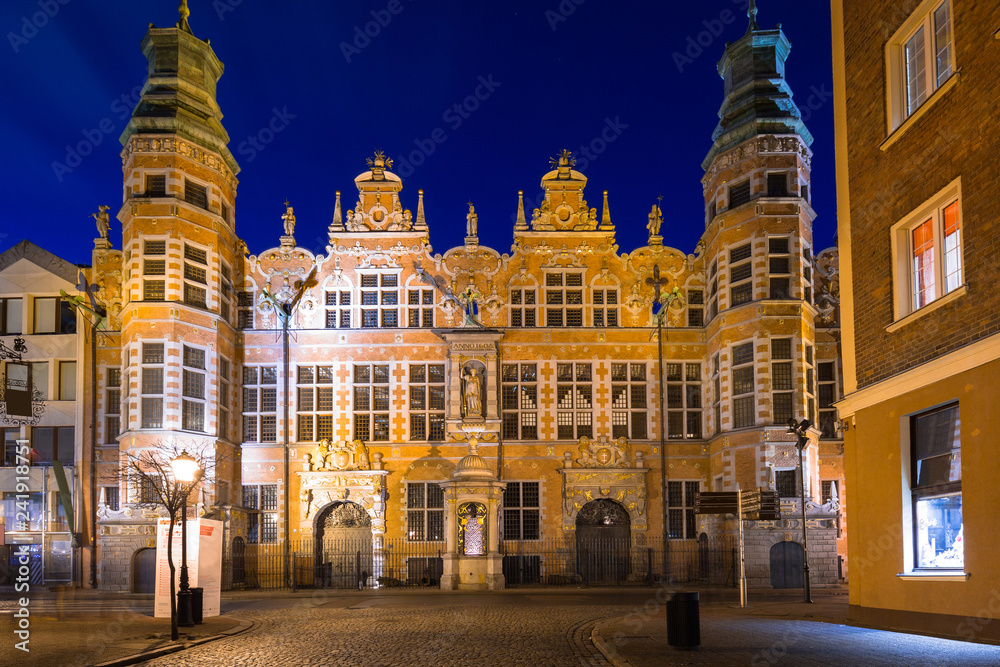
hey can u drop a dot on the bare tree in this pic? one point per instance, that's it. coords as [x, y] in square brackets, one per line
[151, 474]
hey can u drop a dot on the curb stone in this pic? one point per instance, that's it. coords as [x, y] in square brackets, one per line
[606, 650]
[167, 650]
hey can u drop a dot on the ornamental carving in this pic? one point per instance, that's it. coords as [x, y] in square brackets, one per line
[602, 470]
[174, 145]
[339, 456]
[603, 453]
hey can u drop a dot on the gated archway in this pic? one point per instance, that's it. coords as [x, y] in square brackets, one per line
[144, 571]
[787, 559]
[343, 548]
[603, 542]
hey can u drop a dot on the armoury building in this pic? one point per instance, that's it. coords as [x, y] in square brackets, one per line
[479, 409]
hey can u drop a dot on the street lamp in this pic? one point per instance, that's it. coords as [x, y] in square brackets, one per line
[186, 470]
[800, 429]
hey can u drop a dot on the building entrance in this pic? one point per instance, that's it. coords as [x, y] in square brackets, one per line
[343, 548]
[603, 542]
[786, 565]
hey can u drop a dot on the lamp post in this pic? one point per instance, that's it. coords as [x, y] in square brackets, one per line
[800, 430]
[185, 471]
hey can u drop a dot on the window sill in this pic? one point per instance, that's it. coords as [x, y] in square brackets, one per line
[933, 576]
[921, 110]
[932, 306]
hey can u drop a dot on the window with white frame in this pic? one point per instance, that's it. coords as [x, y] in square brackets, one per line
[67, 380]
[810, 386]
[193, 389]
[681, 496]
[420, 308]
[740, 275]
[695, 308]
[371, 402]
[936, 489]
[156, 185]
[779, 269]
[338, 309]
[574, 401]
[605, 301]
[920, 58]
[744, 413]
[826, 372]
[564, 299]
[379, 300]
[111, 497]
[53, 316]
[713, 291]
[739, 193]
[782, 381]
[628, 401]
[260, 404]
[261, 503]
[10, 317]
[225, 398]
[520, 401]
[314, 407]
[154, 269]
[427, 402]
[786, 482]
[151, 389]
[523, 309]
[424, 512]
[112, 404]
[807, 277]
[683, 399]
[195, 276]
[521, 511]
[244, 316]
[777, 184]
[927, 247]
[226, 292]
[196, 194]
[716, 394]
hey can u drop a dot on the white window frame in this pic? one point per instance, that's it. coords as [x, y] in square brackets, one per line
[895, 58]
[902, 253]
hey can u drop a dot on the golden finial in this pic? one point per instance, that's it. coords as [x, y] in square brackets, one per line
[185, 13]
[563, 160]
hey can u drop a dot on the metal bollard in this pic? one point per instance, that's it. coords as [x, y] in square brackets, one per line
[683, 621]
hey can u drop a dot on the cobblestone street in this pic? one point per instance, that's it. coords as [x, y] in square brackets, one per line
[373, 634]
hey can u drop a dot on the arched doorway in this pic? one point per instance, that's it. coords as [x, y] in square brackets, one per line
[343, 550]
[787, 559]
[144, 571]
[603, 542]
[239, 562]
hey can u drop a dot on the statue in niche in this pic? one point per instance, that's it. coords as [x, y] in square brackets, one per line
[471, 221]
[103, 223]
[471, 394]
[472, 523]
[289, 218]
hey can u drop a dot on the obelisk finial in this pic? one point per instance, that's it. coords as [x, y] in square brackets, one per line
[185, 13]
[752, 15]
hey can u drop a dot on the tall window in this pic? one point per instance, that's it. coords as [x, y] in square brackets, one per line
[154, 270]
[810, 388]
[713, 291]
[716, 394]
[681, 496]
[695, 308]
[523, 311]
[740, 276]
[427, 402]
[605, 307]
[778, 268]
[920, 59]
[936, 489]
[152, 385]
[379, 300]
[10, 317]
[520, 401]
[314, 407]
[371, 402]
[520, 511]
[195, 276]
[420, 308]
[744, 413]
[683, 399]
[782, 396]
[424, 512]
[574, 401]
[628, 401]
[261, 502]
[930, 240]
[193, 390]
[827, 376]
[67, 380]
[112, 404]
[564, 299]
[260, 404]
[244, 316]
[226, 292]
[225, 398]
[338, 309]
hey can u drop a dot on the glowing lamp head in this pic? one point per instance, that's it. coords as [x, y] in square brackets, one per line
[185, 467]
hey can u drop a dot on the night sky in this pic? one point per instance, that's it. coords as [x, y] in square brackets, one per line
[635, 83]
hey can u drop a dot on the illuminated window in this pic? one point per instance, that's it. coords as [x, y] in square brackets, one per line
[420, 308]
[779, 268]
[742, 371]
[695, 308]
[151, 387]
[523, 310]
[936, 489]
[574, 401]
[112, 405]
[195, 276]
[225, 399]
[740, 276]
[920, 58]
[427, 402]
[683, 399]
[371, 402]
[193, 390]
[564, 299]
[782, 381]
[260, 403]
[628, 401]
[520, 401]
[605, 307]
[379, 300]
[680, 498]
[424, 512]
[261, 504]
[314, 406]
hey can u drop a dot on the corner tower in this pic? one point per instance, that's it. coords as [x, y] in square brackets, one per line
[181, 260]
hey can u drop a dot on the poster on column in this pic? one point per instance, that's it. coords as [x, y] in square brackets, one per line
[204, 561]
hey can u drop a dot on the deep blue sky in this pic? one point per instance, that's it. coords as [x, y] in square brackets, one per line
[563, 78]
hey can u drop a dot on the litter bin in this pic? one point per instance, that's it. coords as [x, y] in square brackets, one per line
[683, 622]
[197, 604]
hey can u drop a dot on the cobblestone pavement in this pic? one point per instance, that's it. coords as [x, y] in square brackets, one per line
[442, 635]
